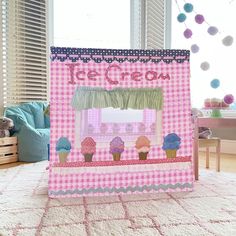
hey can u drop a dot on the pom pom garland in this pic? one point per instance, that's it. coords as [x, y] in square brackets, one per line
[215, 83]
[199, 19]
[188, 7]
[188, 33]
[229, 99]
[194, 48]
[205, 66]
[181, 17]
[212, 30]
[228, 40]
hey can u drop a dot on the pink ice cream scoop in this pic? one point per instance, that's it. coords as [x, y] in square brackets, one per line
[143, 147]
[88, 146]
[142, 141]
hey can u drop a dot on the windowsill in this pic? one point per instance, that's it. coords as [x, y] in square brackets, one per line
[166, 164]
[122, 162]
[227, 113]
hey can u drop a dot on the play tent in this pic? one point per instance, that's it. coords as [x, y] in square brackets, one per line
[120, 122]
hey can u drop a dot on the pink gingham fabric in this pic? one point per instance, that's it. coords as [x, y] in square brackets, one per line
[175, 118]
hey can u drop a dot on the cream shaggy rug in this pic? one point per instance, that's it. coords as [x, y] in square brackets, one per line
[25, 208]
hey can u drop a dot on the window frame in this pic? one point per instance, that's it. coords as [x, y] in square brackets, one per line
[141, 29]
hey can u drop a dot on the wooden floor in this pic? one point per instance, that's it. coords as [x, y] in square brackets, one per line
[5, 166]
[228, 162]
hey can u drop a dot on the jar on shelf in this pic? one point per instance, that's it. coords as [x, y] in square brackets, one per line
[90, 129]
[115, 129]
[129, 128]
[153, 127]
[103, 128]
[141, 127]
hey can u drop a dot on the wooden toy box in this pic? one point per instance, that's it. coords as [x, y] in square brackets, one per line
[8, 150]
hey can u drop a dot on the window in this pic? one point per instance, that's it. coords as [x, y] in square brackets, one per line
[103, 129]
[147, 122]
[220, 57]
[113, 115]
[128, 113]
[92, 23]
[25, 36]
[112, 24]
[23, 51]
[150, 24]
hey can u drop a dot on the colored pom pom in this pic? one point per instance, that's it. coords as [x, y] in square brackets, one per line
[181, 17]
[205, 66]
[228, 40]
[188, 33]
[215, 83]
[194, 48]
[229, 98]
[212, 30]
[199, 19]
[188, 7]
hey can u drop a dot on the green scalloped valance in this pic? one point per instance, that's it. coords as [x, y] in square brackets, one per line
[135, 98]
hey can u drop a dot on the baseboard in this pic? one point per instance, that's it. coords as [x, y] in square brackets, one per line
[227, 146]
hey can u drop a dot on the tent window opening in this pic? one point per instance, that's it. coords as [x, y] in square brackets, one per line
[129, 117]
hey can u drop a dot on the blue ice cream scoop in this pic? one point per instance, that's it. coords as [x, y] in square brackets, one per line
[63, 145]
[171, 141]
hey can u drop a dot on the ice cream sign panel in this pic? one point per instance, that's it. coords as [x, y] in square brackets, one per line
[113, 74]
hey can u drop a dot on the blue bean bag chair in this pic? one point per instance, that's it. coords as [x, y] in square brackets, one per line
[32, 128]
